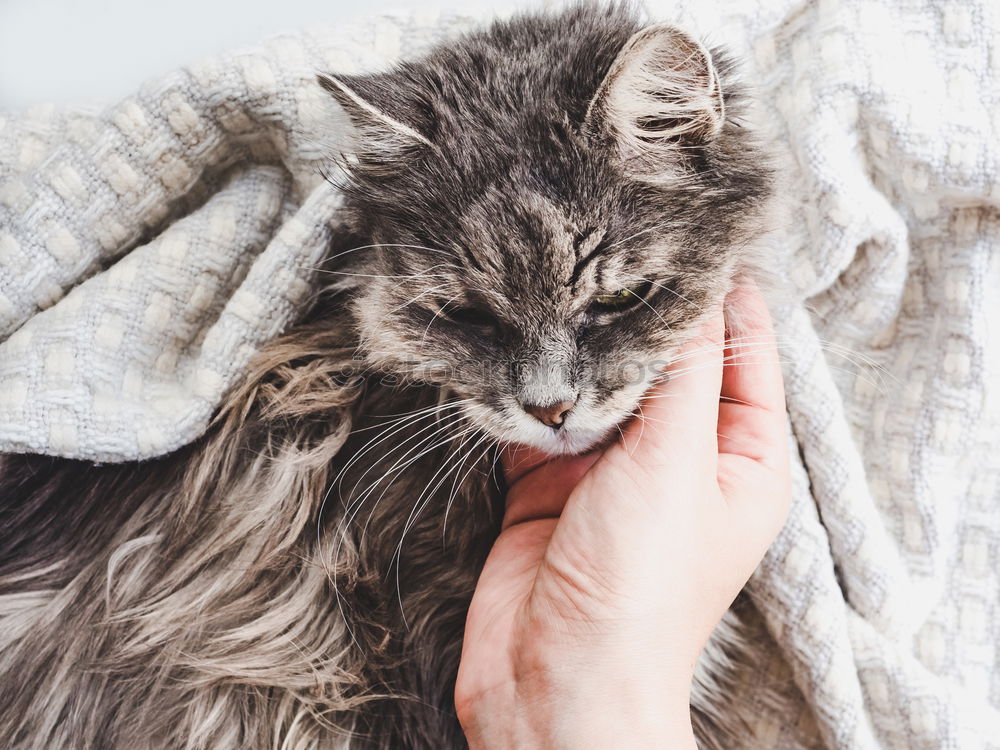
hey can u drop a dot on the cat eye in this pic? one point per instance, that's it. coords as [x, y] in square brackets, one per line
[463, 315]
[619, 300]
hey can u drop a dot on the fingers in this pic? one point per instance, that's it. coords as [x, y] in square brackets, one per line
[752, 407]
[540, 485]
[678, 416]
[518, 460]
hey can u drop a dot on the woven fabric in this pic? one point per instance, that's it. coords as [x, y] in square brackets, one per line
[146, 251]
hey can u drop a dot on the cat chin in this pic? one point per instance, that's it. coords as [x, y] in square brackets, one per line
[565, 442]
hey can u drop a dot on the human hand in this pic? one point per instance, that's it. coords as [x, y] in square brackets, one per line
[613, 568]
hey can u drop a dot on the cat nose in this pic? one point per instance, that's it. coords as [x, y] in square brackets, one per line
[552, 415]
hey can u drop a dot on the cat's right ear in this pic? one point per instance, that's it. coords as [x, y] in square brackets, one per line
[388, 123]
[660, 98]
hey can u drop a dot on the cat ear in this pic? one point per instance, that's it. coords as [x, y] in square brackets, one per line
[661, 96]
[387, 122]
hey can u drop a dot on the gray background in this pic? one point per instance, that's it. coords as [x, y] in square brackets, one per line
[77, 51]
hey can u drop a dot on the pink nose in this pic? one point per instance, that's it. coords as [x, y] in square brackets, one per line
[552, 415]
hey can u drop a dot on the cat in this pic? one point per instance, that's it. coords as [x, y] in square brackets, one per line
[535, 213]
[547, 200]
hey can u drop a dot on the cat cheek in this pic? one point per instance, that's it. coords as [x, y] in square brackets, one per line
[617, 395]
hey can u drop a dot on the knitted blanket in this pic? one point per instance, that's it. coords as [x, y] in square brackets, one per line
[147, 249]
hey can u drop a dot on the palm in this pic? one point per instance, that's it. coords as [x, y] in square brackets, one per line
[502, 597]
[527, 575]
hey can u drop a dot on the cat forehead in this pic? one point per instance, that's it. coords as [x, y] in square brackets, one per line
[529, 217]
[528, 234]
[574, 231]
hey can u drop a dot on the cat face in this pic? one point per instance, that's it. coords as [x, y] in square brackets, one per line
[551, 212]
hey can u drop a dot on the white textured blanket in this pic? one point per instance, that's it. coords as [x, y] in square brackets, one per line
[147, 250]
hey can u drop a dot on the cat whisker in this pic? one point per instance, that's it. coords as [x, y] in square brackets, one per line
[386, 244]
[350, 514]
[414, 452]
[679, 373]
[338, 479]
[859, 359]
[421, 503]
[655, 312]
[753, 345]
[494, 474]
[423, 338]
[428, 491]
[424, 293]
[672, 291]
[458, 483]
[414, 247]
[677, 425]
[436, 426]
[657, 228]
[415, 411]
[462, 434]
[383, 275]
[621, 436]
[382, 437]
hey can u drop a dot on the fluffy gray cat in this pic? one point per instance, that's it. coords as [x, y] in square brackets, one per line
[537, 212]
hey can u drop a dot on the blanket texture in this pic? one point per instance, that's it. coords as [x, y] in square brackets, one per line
[147, 249]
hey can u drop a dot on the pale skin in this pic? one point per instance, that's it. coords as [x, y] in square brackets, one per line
[613, 568]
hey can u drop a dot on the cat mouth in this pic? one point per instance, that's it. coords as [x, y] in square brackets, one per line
[568, 440]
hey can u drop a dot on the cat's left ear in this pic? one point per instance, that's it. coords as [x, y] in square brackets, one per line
[660, 97]
[388, 121]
